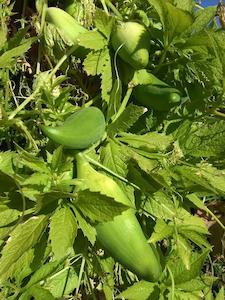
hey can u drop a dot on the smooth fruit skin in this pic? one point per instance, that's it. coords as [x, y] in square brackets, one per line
[134, 41]
[122, 237]
[160, 98]
[81, 130]
[65, 23]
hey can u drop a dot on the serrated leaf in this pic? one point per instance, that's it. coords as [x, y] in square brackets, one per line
[195, 237]
[24, 237]
[92, 40]
[128, 117]
[179, 271]
[202, 141]
[98, 207]
[63, 230]
[7, 59]
[62, 283]
[88, 230]
[47, 202]
[184, 250]
[161, 231]
[161, 206]
[37, 179]
[99, 63]
[116, 157]
[180, 295]
[152, 141]
[202, 19]
[103, 22]
[140, 290]
[196, 284]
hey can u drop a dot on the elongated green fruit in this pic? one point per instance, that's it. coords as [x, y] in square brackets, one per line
[65, 23]
[123, 237]
[81, 130]
[134, 41]
[149, 90]
[158, 97]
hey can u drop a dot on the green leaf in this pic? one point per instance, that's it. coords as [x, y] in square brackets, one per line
[187, 5]
[62, 283]
[47, 202]
[103, 22]
[151, 141]
[140, 290]
[202, 19]
[220, 295]
[161, 206]
[62, 240]
[179, 270]
[180, 295]
[92, 40]
[7, 59]
[88, 230]
[161, 231]
[184, 250]
[24, 237]
[116, 157]
[196, 284]
[39, 293]
[99, 63]
[98, 207]
[126, 120]
[44, 272]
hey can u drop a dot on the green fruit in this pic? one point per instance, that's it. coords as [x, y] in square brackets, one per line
[68, 27]
[81, 130]
[157, 97]
[134, 41]
[122, 237]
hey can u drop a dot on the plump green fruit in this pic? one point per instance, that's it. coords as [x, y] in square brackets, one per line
[122, 237]
[158, 97]
[134, 41]
[81, 130]
[65, 23]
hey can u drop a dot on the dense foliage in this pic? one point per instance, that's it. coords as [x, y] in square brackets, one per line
[163, 100]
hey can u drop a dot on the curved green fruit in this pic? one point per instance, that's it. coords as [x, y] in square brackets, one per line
[134, 41]
[65, 23]
[158, 97]
[122, 237]
[81, 130]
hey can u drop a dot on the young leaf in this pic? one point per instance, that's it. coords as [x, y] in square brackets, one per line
[62, 240]
[24, 237]
[98, 207]
[161, 231]
[104, 23]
